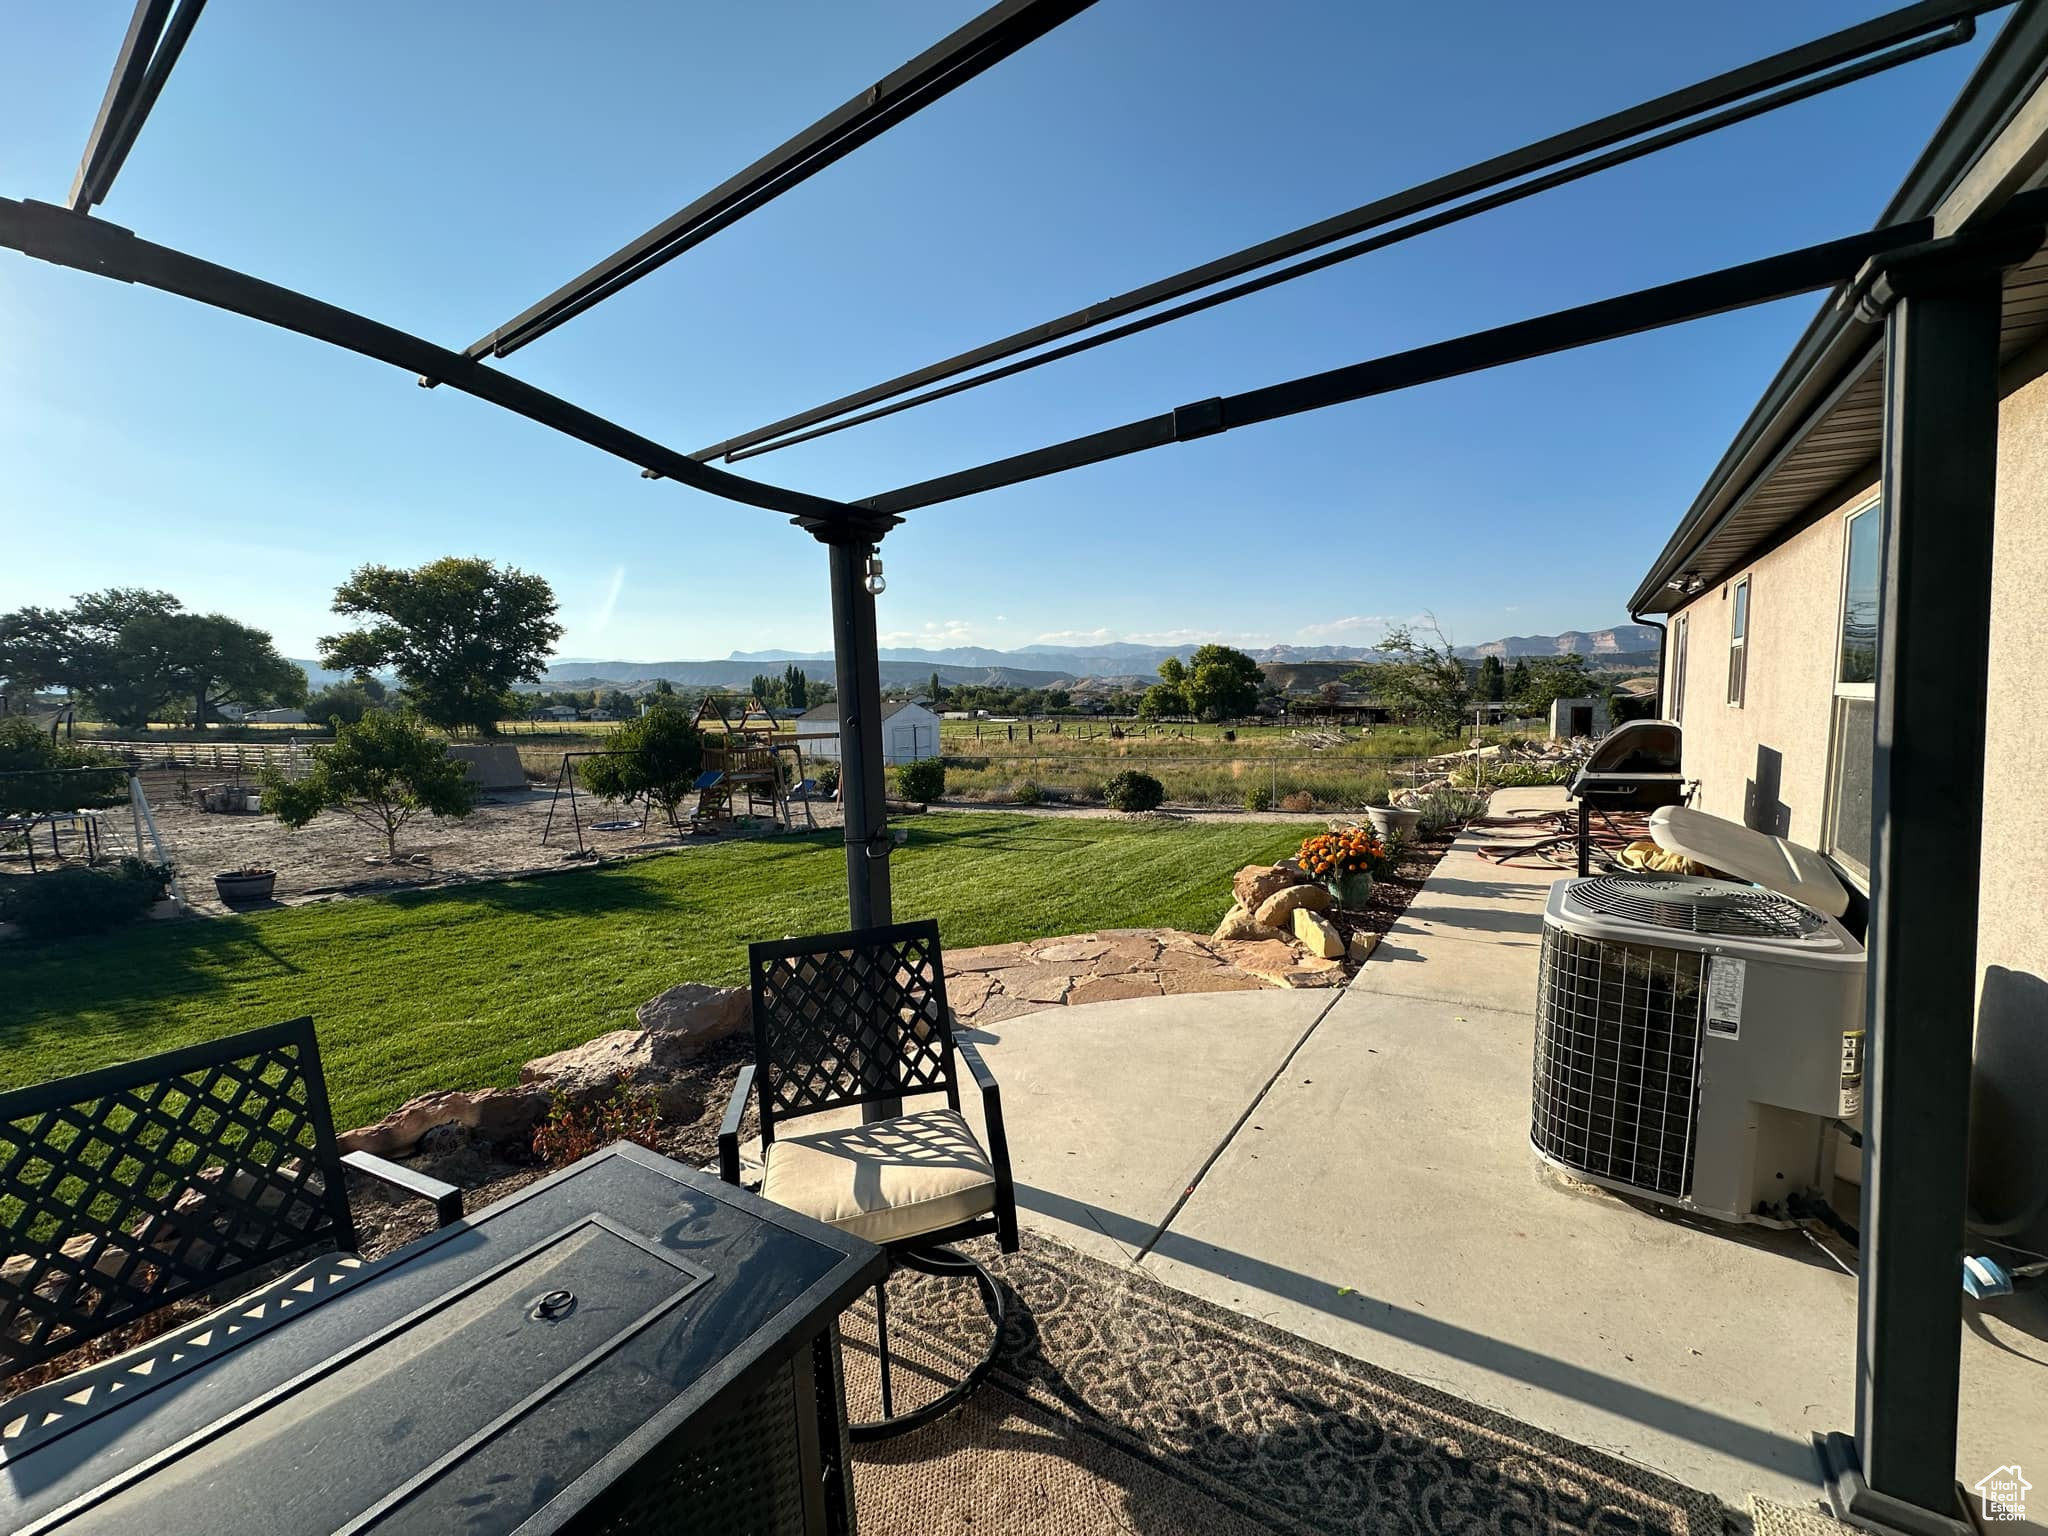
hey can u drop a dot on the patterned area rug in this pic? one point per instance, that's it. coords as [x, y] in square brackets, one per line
[1120, 1405]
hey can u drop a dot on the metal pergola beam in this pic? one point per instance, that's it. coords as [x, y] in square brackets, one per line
[156, 36]
[982, 43]
[53, 234]
[1898, 27]
[1806, 270]
[1635, 149]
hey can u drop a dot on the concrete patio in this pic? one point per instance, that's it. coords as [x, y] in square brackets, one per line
[1354, 1167]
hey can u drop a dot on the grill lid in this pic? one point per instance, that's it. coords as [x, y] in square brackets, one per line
[1711, 907]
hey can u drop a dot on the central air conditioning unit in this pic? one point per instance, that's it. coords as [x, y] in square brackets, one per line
[1695, 1041]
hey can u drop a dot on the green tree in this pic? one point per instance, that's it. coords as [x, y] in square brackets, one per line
[1550, 678]
[1222, 683]
[80, 650]
[39, 774]
[346, 702]
[385, 770]
[1163, 701]
[935, 690]
[459, 633]
[1421, 676]
[1493, 680]
[656, 758]
[1173, 673]
[796, 688]
[1518, 678]
[210, 659]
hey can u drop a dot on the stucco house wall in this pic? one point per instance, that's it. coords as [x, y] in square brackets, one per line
[1766, 764]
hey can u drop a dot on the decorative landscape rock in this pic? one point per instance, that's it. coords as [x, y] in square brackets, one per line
[1317, 935]
[591, 1071]
[493, 1114]
[1255, 882]
[1238, 923]
[1362, 945]
[1277, 910]
[696, 1013]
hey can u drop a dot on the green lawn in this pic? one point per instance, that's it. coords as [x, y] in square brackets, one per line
[454, 989]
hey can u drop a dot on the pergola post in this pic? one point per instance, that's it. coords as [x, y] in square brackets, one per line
[858, 677]
[1940, 304]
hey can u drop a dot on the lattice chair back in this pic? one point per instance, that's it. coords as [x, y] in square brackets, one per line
[849, 1018]
[125, 1189]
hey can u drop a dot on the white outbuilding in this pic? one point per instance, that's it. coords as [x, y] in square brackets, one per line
[909, 732]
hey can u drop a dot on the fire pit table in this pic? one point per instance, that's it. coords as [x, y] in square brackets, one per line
[627, 1345]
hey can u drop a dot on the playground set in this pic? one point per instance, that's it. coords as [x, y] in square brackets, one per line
[749, 770]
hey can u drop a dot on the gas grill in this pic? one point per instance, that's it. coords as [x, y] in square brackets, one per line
[1634, 767]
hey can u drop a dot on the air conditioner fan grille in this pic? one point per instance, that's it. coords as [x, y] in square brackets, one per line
[1717, 909]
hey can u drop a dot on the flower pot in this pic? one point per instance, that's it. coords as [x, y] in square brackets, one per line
[1393, 823]
[1353, 890]
[245, 886]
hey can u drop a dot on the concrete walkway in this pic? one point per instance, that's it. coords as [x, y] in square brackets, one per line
[1379, 1195]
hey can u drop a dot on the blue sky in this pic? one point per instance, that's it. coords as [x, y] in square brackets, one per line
[442, 166]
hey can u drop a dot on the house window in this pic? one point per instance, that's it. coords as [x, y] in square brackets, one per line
[1738, 645]
[1680, 628]
[1853, 746]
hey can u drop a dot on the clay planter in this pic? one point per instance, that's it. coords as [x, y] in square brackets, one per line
[1393, 823]
[1353, 890]
[237, 886]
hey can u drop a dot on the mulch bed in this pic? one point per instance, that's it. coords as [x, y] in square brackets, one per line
[1391, 893]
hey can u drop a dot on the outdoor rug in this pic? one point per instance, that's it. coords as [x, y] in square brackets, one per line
[1119, 1405]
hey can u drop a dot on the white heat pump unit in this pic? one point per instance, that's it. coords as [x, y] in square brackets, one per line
[1694, 1040]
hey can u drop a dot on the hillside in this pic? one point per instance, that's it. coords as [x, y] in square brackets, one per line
[1119, 663]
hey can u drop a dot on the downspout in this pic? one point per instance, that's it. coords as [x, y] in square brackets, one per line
[1663, 642]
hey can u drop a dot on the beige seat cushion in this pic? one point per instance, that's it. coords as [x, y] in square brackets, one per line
[887, 1181]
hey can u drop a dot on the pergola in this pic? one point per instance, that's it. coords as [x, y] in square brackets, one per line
[1932, 283]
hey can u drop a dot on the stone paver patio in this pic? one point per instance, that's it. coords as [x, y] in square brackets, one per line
[1003, 981]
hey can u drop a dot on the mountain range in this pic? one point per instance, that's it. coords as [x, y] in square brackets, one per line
[1047, 666]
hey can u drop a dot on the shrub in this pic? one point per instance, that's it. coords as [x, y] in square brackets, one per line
[828, 780]
[574, 1131]
[1027, 793]
[75, 900]
[923, 781]
[1258, 797]
[1133, 791]
[38, 774]
[1512, 775]
[1448, 808]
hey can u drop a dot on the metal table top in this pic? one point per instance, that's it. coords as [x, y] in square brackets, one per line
[494, 1376]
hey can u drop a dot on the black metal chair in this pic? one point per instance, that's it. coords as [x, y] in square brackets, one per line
[131, 1187]
[856, 1019]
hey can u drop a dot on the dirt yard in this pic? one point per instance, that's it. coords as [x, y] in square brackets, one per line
[338, 857]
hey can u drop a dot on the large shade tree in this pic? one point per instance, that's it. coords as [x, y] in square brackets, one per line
[211, 661]
[458, 632]
[128, 654]
[1222, 683]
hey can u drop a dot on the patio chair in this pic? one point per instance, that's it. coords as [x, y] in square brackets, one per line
[845, 1020]
[129, 1188]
